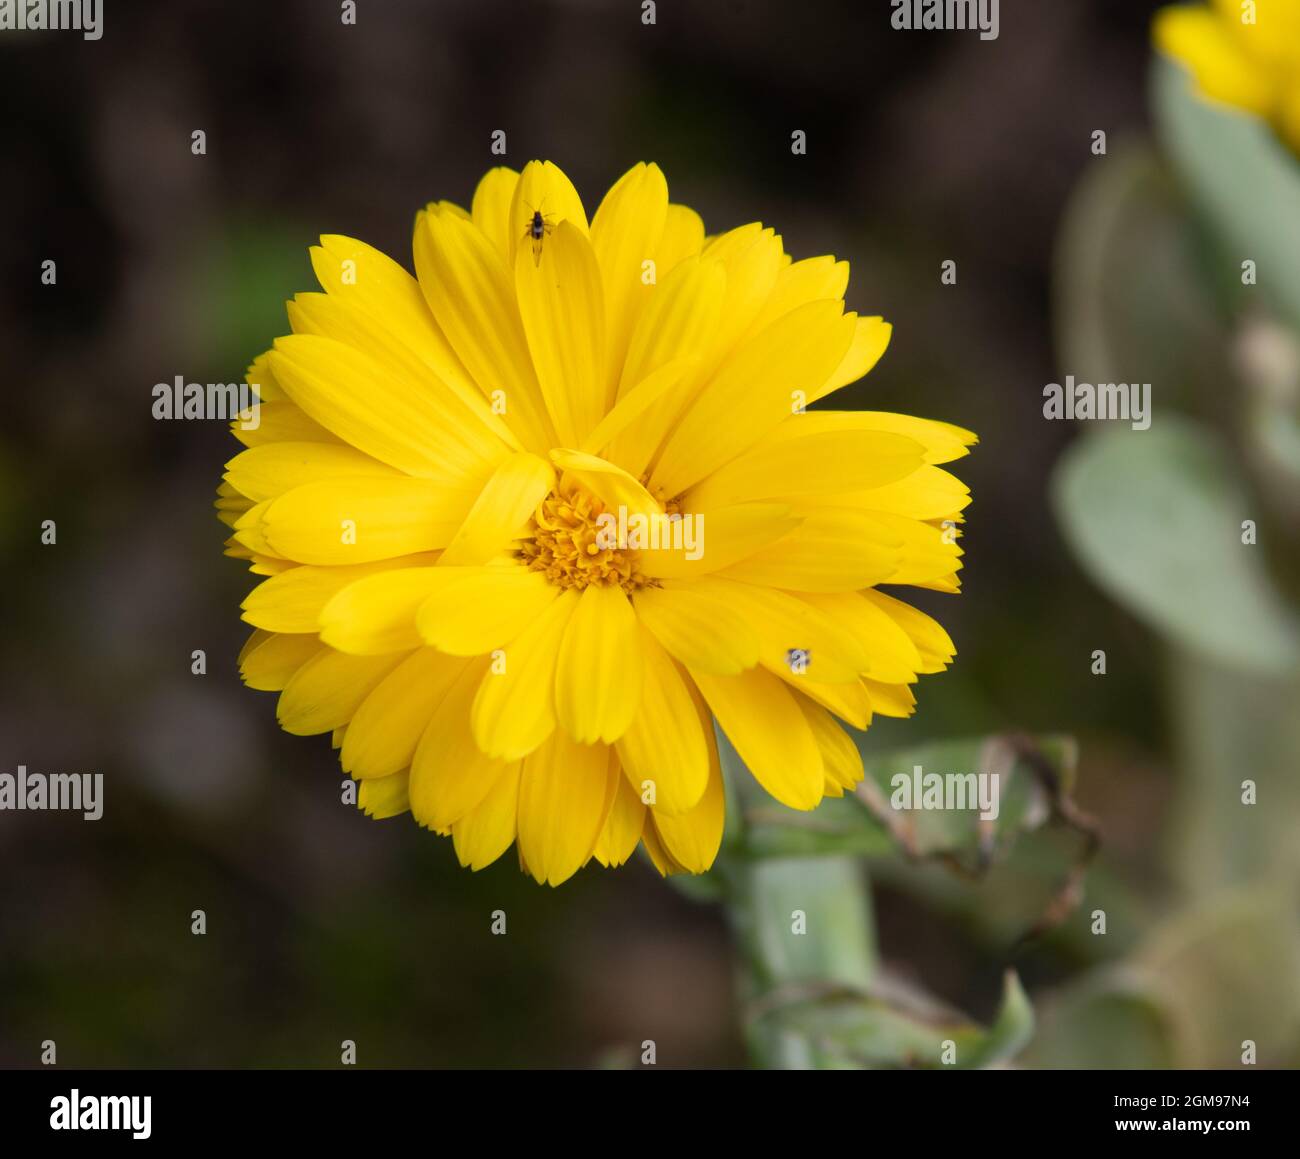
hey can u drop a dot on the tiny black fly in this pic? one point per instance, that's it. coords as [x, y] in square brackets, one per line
[536, 231]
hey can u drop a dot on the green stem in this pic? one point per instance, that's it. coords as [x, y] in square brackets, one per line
[801, 924]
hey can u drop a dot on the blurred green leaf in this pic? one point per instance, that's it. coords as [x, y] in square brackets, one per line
[892, 1027]
[1132, 298]
[1155, 518]
[1232, 726]
[811, 920]
[1230, 969]
[1110, 1021]
[1203, 984]
[1242, 178]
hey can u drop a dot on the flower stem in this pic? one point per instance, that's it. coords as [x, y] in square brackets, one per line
[802, 925]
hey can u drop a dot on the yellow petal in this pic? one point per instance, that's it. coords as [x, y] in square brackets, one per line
[819, 462]
[473, 610]
[384, 797]
[870, 341]
[267, 565]
[725, 536]
[562, 304]
[654, 846]
[692, 839]
[271, 664]
[890, 699]
[490, 209]
[679, 323]
[683, 238]
[599, 673]
[638, 401]
[382, 736]
[752, 258]
[472, 296]
[279, 422]
[543, 188]
[360, 519]
[888, 651]
[248, 531]
[850, 702]
[348, 393]
[623, 827]
[930, 493]
[401, 356]
[612, 485]
[377, 613]
[755, 389]
[1223, 67]
[514, 710]
[832, 550]
[625, 235]
[369, 282]
[942, 442]
[698, 627]
[261, 378]
[450, 776]
[934, 645]
[502, 510]
[800, 283]
[270, 470]
[566, 791]
[783, 623]
[294, 600]
[664, 751]
[840, 756]
[764, 723]
[326, 691]
[256, 639]
[927, 553]
[486, 832]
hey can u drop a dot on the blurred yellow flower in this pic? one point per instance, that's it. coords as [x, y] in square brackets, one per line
[1245, 53]
[532, 518]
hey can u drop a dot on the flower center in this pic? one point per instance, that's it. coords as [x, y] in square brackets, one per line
[570, 546]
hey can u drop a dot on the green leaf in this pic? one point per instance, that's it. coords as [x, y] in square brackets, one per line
[1241, 176]
[1230, 727]
[894, 1027]
[1155, 517]
[1110, 1021]
[1204, 983]
[1133, 296]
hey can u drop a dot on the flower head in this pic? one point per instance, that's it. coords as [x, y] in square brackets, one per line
[1245, 54]
[534, 517]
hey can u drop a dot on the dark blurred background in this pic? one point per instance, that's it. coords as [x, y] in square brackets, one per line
[324, 925]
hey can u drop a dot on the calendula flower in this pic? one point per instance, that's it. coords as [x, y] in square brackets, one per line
[534, 517]
[1245, 53]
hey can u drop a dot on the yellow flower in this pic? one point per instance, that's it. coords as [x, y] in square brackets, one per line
[1245, 53]
[534, 517]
